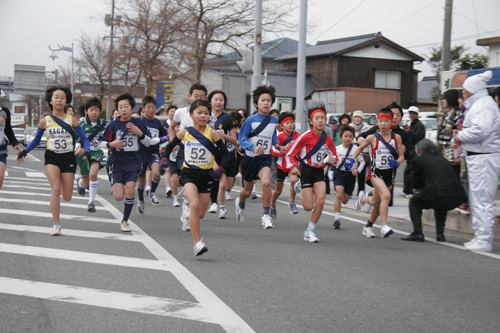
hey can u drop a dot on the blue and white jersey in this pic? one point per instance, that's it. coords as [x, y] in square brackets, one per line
[156, 130]
[267, 138]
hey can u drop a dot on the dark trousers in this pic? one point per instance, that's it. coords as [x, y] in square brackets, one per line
[407, 178]
[440, 205]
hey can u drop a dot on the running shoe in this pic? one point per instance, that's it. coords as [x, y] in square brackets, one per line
[240, 212]
[56, 230]
[154, 199]
[185, 224]
[147, 190]
[368, 232]
[386, 231]
[141, 208]
[310, 236]
[293, 208]
[463, 209]
[298, 186]
[91, 207]
[359, 205]
[79, 188]
[176, 203]
[253, 195]
[200, 248]
[181, 195]
[267, 222]
[213, 208]
[168, 193]
[273, 212]
[222, 213]
[228, 196]
[125, 227]
[336, 224]
[186, 210]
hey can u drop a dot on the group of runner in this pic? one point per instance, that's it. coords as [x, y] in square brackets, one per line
[201, 148]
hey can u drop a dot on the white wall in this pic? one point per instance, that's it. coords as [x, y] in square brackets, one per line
[381, 52]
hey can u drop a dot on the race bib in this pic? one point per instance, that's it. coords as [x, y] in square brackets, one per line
[155, 133]
[173, 155]
[60, 143]
[230, 146]
[94, 145]
[382, 158]
[196, 154]
[130, 141]
[317, 159]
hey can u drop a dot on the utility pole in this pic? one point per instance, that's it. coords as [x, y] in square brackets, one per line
[301, 67]
[446, 49]
[257, 48]
[110, 61]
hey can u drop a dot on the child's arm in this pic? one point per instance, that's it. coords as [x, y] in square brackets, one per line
[222, 158]
[177, 139]
[401, 150]
[365, 144]
[361, 163]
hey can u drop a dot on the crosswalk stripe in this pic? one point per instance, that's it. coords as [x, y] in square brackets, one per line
[29, 187]
[77, 197]
[96, 258]
[105, 298]
[44, 203]
[62, 216]
[35, 174]
[30, 179]
[6, 174]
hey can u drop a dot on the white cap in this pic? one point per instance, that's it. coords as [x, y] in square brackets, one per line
[358, 113]
[414, 109]
[476, 83]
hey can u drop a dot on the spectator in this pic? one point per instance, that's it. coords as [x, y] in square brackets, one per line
[480, 139]
[438, 188]
[416, 132]
[359, 127]
[449, 122]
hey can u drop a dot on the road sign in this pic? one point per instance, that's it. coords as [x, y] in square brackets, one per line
[29, 80]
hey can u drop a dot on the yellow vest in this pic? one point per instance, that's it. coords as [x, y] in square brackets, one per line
[58, 140]
[195, 154]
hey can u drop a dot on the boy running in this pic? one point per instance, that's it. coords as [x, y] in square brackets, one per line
[256, 137]
[93, 126]
[311, 149]
[286, 139]
[387, 155]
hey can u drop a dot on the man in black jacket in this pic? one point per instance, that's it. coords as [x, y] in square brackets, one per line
[6, 130]
[416, 132]
[438, 186]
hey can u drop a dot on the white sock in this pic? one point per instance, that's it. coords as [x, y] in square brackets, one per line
[93, 185]
[311, 226]
[253, 189]
[337, 215]
[186, 202]
[175, 197]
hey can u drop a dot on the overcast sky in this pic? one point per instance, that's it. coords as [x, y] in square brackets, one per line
[28, 27]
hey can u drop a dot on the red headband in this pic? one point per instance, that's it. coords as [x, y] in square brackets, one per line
[286, 119]
[316, 111]
[385, 115]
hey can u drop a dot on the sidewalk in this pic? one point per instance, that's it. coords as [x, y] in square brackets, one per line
[455, 220]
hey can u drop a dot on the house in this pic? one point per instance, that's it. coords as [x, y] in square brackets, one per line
[367, 61]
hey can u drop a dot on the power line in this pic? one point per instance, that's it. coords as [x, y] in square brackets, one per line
[453, 40]
[403, 20]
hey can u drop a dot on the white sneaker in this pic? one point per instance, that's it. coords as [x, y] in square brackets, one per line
[147, 190]
[253, 195]
[185, 224]
[222, 213]
[478, 246]
[56, 230]
[472, 241]
[386, 231]
[186, 210]
[228, 196]
[310, 237]
[267, 222]
[168, 192]
[213, 208]
[125, 227]
[368, 232]
[200, 248]
[140, 207]
[154, 199]
[176, 203]
[359, 205]
[240, 212]
[297, 187]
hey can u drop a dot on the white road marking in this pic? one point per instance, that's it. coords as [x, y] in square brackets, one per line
[6, 174]
[77, 197]
[30, 180]
[103, 177]
[35, 174]
[33, 157]
[32, 214]
[44, 203]
[30, 187]
[107, 299]
[21, 168]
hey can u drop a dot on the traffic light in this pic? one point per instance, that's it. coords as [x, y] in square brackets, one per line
[246, 64]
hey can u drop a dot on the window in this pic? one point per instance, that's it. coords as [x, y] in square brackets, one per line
[20, 109]
[388, 79]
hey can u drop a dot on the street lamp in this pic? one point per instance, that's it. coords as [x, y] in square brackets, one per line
[67, 49]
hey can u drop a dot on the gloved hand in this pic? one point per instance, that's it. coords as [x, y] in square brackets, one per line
[217, 173]
[349, 164]
[87, 154]
[22, 154]
[163, 165]
[394, 163]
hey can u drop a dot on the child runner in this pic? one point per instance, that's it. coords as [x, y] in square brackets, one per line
[224, 125]
[344, 179]
[311, 149]
[256, 137]
[234, 157]
[93, 126]
[6, 129]
[198, 173]
[124, 136]
[387, 155]
[150, 155]
[165, 171]
[60, 161]
[286, 139]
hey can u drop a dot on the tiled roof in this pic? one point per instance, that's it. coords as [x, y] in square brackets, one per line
[424, 89]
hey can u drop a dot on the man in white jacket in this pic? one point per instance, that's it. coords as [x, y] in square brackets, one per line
[480, 139]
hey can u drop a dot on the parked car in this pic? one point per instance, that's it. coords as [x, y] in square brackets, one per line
[29, 135]
[43, 141]
[19, 133]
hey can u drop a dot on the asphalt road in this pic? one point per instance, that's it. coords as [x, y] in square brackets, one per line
[95, 278]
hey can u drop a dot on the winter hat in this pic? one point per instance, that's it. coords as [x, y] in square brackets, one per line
[476, 83]
[358, 113]
[414, 109]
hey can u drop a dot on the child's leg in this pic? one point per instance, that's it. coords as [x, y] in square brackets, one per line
[2, 173]
[293, 180]
[229, 184]
[265, 181]
[319, 191]
[155, 174]
[247, 190]
[94, 183]
[175, 184]
[54, 175]
[199, 204]
[307, 199]
[222, 191]
[149, 176]
[276, 193]
[141, 182]
[118, 191]
[385, 197]
[338, 199]
[167, 178]
[129, 199]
